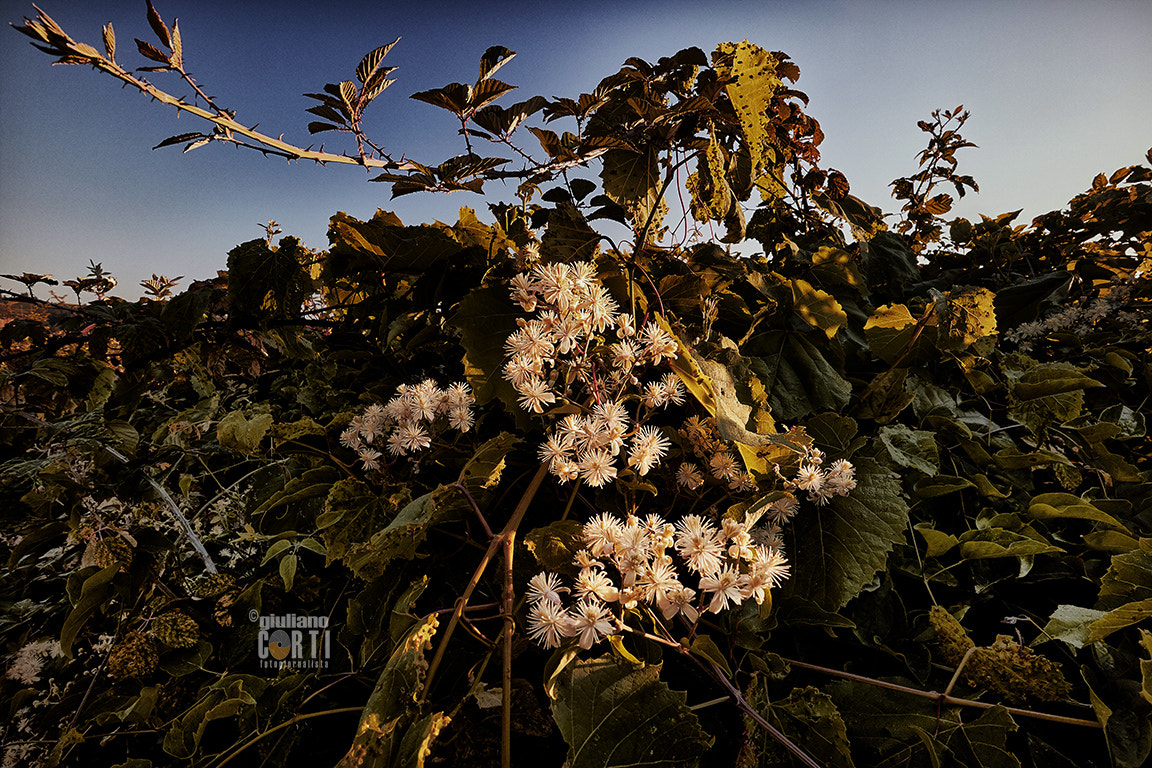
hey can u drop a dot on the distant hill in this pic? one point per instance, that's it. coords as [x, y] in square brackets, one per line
[15, 309]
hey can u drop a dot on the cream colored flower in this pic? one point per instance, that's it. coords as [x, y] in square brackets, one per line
[596, 467]
[595, 582]
[589, 621]
[534, 394]
[680, 601]
[601, 533]
[545, 586]
[724, 466]
[689, 476]
[648, 447]
[548, 624]
[725, 588]
[810, 478]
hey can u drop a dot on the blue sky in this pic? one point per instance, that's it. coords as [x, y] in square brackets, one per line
[1058, 91]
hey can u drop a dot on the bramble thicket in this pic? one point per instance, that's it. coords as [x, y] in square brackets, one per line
[680, 454]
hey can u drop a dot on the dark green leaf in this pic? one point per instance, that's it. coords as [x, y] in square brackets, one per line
[911, 448]
[809, 718]
[288, 571]
[555, 545]
[568, 237]
[839, 547]
[613, 714]
[485, 318]
[705, 647]
[93, 595]
[632, 180]
[798, 377]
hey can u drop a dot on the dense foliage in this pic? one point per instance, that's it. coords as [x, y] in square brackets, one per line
[426, 435]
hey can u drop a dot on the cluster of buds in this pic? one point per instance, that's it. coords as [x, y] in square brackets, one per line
[715, 453]
[629, 563]
[579, 338]
[405, 423]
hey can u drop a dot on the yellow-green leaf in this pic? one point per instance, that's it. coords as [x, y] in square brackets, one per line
[1047, 506]
[1124, 616]
[816, 307]
[750, 79]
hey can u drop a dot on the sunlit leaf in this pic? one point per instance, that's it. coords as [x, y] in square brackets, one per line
[749, 76]
[177, 59]
[894, 333]
[390, 721]
[1070, 624]
[151, 52]
[1000, 542]
[452, 97]
[371, 61]
[816, 307]
[109, 42]
[158, 25]
[1119, 618]
[1049, 506]
[632, 180]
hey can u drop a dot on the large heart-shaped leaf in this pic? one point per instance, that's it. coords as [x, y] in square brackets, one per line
[614, 714]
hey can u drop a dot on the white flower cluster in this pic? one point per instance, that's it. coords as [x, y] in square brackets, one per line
[1079, 318]
[30, 659]
[727, 564]
[822, 484]
[567, 344]
[404, 423]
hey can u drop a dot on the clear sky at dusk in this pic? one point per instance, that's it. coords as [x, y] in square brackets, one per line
[1058, 91]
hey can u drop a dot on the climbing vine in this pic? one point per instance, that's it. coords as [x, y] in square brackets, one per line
[518, 489]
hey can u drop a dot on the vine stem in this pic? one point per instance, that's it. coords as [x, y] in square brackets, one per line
[506, 668]
[475, 508]
[290, 721]
[944, 698]
[496, 545]
[734, 693]
[174, 508]
[59, 43]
